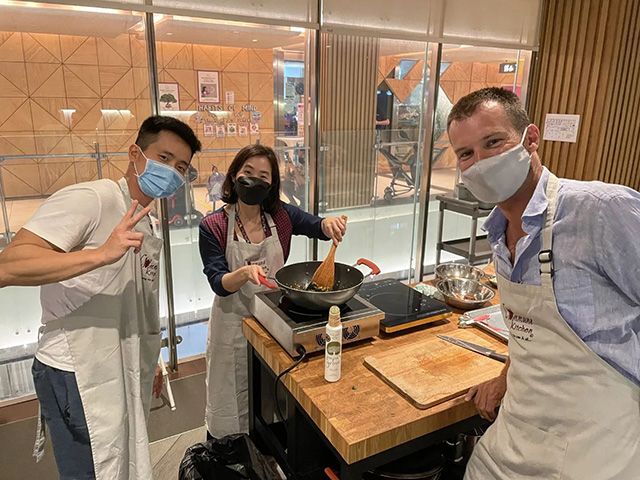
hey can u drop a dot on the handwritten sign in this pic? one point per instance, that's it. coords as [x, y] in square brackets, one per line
[561, 128]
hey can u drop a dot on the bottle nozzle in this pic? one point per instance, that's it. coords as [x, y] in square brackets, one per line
[334, 316]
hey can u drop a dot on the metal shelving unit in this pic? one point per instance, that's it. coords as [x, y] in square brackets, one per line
[475, 249]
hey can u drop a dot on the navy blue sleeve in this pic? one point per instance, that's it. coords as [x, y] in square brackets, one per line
[304, 223]
[214, 261]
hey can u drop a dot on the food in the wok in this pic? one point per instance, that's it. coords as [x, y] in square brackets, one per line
[312, 287]
[317, 288]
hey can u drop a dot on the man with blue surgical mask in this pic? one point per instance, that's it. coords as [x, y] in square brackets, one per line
[93, 249]
[567, 259]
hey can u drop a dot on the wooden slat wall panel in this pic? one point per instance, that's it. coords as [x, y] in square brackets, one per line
[589, 64]
[347, 119]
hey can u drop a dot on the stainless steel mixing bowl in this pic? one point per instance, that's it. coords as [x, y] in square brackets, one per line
[458, 270]
[464, 294]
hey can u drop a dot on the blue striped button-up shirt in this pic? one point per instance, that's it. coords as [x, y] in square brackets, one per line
[596, 252]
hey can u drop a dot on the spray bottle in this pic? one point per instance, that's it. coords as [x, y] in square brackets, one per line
[333, 346]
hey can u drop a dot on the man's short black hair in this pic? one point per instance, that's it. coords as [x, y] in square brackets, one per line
[152, 126]
[469, 104]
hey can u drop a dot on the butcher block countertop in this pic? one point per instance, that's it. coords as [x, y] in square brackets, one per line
[361, 415]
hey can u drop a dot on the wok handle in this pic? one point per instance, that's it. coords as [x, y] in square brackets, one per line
[266, 283]
[375, 270]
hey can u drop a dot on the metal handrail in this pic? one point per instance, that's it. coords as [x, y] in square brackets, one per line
[123, 154]
[98, 156]
[395, 144]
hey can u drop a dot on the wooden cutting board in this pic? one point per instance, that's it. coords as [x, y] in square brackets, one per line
[433, 371]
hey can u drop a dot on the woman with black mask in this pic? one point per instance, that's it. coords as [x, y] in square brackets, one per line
[248, 237]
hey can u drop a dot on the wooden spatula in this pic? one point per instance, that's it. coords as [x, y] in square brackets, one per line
[325, 274]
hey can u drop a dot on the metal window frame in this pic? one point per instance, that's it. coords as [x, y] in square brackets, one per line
[152, 67]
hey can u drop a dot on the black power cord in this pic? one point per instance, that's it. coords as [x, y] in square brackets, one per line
[303, 352]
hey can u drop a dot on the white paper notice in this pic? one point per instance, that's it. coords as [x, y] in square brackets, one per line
[561, 128]
[230, 96]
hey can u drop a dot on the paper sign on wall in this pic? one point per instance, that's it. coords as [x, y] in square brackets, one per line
[169, 97]
[208, 87]
[561, 128]
[231, 129]
[243, 130]
[255, 129]
[208, 129]
[220, 130]
[230, 97]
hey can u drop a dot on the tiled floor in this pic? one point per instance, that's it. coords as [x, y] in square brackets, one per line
[166, 454]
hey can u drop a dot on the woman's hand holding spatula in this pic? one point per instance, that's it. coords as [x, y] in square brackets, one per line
[324, 277]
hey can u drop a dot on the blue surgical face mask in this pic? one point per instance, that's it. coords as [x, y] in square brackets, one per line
[158, 180]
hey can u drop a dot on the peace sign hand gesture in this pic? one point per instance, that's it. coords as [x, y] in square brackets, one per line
[123, 237]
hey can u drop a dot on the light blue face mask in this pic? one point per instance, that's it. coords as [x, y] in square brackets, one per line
[159, 180]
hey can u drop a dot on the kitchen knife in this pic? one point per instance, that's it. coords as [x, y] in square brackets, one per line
[475, 348]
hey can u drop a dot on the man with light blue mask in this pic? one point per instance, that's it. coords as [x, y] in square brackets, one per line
[567, 259]
[93, 250]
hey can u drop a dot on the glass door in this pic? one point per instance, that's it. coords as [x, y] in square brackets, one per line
[464, 69]
[372, 94]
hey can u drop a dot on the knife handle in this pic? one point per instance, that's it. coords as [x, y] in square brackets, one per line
[499, 357]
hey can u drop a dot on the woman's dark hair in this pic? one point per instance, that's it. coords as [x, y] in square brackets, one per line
[272, 203]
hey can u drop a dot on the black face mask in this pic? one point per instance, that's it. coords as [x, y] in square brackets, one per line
[251, 190]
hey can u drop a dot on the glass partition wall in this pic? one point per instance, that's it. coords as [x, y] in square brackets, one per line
[235, 84]
[357, 119]
[74, 87]
[372, 97]
[464, 69]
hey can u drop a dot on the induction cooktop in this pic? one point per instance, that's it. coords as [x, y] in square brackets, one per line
[403, 306]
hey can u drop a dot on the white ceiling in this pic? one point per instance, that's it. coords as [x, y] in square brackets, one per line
[68, 21]
[183, 30]
[450, 53]
[457, 53]
[83, 21]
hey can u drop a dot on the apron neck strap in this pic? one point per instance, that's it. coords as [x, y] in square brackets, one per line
[126, 194]
[272, 225]
[545, 257]
[231, 223]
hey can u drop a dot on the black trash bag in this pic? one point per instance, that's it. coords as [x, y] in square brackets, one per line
[232, 457]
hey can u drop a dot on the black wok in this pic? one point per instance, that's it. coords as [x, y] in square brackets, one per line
[293, 280]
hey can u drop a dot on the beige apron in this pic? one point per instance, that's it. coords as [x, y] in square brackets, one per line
[114, 339]
[227, 380]
[567, 414]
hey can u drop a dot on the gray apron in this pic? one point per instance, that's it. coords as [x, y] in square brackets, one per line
[567, 414]
[114, 340]
[227, 383]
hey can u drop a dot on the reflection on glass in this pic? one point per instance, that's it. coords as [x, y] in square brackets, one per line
[253, 80]
[371, 141]
[74, 92]
[463, 69]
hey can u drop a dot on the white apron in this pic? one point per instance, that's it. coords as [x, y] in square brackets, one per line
[567, 414]
[114, 339]
[227, 380]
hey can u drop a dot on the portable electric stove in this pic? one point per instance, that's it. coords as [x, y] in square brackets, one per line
[403, 306]
[293, 326]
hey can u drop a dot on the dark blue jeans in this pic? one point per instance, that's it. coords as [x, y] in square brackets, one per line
[59, 398]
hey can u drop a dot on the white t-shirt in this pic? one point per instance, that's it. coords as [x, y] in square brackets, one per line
[78, 217]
